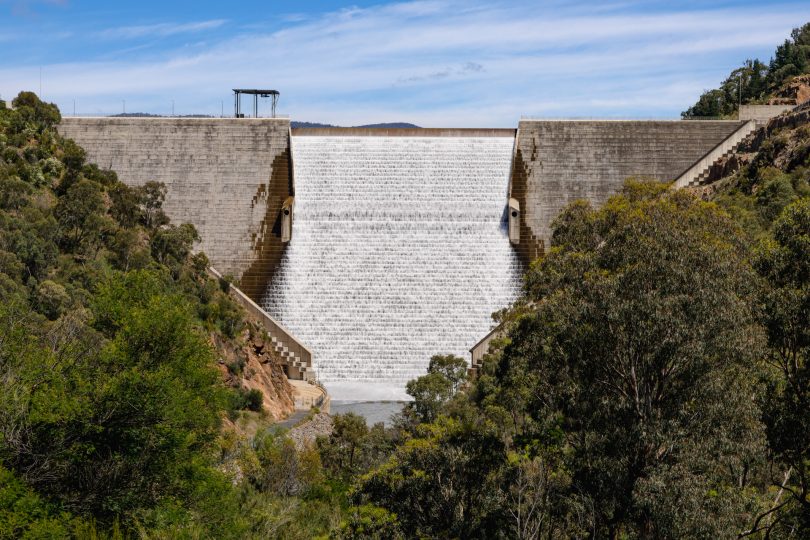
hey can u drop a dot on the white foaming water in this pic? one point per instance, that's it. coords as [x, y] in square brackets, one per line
[399, 251]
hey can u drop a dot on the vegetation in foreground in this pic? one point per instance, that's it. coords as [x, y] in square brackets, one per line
[652, 381]
[111, 405]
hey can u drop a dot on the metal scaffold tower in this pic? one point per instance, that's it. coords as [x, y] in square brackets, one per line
[237, 100]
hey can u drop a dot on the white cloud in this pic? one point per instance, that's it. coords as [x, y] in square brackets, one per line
[159, 30]
[437, 63]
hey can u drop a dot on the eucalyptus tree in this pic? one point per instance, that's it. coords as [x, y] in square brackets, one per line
[637, 363]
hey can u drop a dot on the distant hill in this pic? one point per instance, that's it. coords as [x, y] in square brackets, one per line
[390, 125]
[297, 124]
[136, 115]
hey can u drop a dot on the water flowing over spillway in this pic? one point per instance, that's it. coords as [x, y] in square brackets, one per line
[399, 251]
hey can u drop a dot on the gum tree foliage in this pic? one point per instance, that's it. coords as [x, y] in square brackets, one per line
[107, 417]
[745, 84]
[640, 325]
[784, 262]
[279, 468]
[792, 57]
[443, 482]
[353, 448]
[79, 214]
[445, 375]
[369, 522]
[110, 403]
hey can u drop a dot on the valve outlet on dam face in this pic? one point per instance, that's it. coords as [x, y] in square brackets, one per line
[400, 250]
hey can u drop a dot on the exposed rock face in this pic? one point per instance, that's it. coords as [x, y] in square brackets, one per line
[728, 165]
[249, 362]
[305, 434]
[783, 143]
[794, 92]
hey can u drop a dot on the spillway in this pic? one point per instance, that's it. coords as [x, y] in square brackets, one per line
[399, 251]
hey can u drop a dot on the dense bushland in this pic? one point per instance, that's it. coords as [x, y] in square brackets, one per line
[114, 418]
[111, 404]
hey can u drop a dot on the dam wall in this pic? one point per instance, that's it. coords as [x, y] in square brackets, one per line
[762, 113]
[557, 162]
[403, 241]
[228, 177]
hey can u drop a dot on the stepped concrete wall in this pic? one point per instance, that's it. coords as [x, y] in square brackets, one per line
[762, 113]
[228, 177]
[557, 162]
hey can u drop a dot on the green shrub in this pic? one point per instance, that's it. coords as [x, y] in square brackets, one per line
[243, 399]
[254, 399]
[52, 299]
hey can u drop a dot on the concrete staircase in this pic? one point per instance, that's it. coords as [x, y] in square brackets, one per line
[481, 348]
[699, 172]
[297, 358]
[293, 358]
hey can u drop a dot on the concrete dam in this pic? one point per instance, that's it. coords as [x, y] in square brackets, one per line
[373, 249]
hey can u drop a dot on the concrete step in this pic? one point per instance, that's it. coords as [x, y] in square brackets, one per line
[700, 171]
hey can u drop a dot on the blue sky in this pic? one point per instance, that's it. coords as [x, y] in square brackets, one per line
[431, 62]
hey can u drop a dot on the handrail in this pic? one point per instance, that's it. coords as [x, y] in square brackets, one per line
[175, 117]
[709, 158]
[623, 119]
[273, 327]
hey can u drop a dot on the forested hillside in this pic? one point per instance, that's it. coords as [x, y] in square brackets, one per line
[760, 82]
[652, 381]
[113, 342]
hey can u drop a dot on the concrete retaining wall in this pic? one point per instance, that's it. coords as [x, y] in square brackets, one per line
[228, 177]
[762, 113]
[557, 162]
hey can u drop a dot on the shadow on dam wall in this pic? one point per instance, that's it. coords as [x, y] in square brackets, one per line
[529, 247]
[268, 249]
